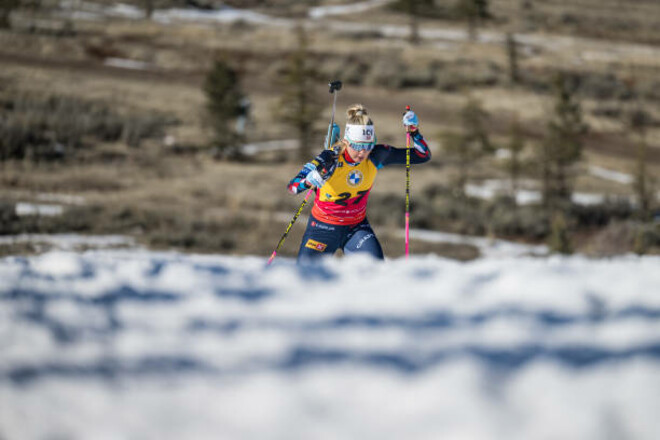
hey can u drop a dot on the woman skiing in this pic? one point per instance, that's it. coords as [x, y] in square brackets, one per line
[343, 177]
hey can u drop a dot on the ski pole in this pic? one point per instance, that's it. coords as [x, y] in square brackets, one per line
[288, 228]
[335, 86]
[408, 144]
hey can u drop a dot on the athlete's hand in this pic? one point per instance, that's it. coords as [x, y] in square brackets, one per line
[314, 178]
[325, 161]
[410, 121]
[320, 168]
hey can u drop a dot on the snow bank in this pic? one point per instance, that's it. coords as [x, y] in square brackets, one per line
[137, 344]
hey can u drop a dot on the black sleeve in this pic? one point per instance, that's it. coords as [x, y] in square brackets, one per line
[384, 155]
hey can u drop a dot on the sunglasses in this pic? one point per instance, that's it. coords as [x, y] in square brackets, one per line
[360, 146]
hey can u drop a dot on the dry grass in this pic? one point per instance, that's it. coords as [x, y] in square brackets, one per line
[206, 205]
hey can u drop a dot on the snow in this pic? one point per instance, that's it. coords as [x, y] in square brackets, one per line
[585, 199]
[255, 148]
[348, 9]
[487, 247]
[123, 63]
[69, 199]
[611, 175]
[123, 10]
[160, 345]
[69, 241]
[489, 189]
[225, 15]
[23, 208]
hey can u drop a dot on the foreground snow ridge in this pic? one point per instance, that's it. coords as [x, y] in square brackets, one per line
[148, 345]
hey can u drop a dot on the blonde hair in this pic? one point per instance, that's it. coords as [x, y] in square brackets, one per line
[356, 114]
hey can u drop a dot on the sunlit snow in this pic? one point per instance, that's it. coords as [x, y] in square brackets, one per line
[137, 344]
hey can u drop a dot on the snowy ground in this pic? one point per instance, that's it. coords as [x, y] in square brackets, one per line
[121, 344]
[489, 189]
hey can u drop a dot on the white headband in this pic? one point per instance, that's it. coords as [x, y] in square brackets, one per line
[360, 133]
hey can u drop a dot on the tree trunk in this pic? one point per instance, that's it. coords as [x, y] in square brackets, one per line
[414, 27]
[512, 52]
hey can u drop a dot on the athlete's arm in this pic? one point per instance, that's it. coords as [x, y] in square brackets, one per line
[321, 166]
[384, 155]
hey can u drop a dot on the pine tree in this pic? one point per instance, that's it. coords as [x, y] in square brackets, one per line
[474, 11]
[512, 54]
[455, 148]
[415, 9]
[470, 145]
[148, 9]
[474, 119]
[223, 103]
[638, 122]
[414, 28]
[559, 241]
[299, 106]
[562, 147]
[515, 146]
[6, 6]
[527, 15]
[640, 242]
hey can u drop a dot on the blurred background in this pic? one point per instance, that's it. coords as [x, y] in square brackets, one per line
[170, 128]
[179, 123]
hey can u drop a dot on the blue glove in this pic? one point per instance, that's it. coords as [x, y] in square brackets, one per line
[410, 120]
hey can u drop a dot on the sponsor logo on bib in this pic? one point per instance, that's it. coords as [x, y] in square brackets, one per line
[354, 178]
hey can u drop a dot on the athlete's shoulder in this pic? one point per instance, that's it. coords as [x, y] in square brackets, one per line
[380, 150]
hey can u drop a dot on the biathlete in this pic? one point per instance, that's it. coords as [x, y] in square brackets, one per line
[343, 177]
